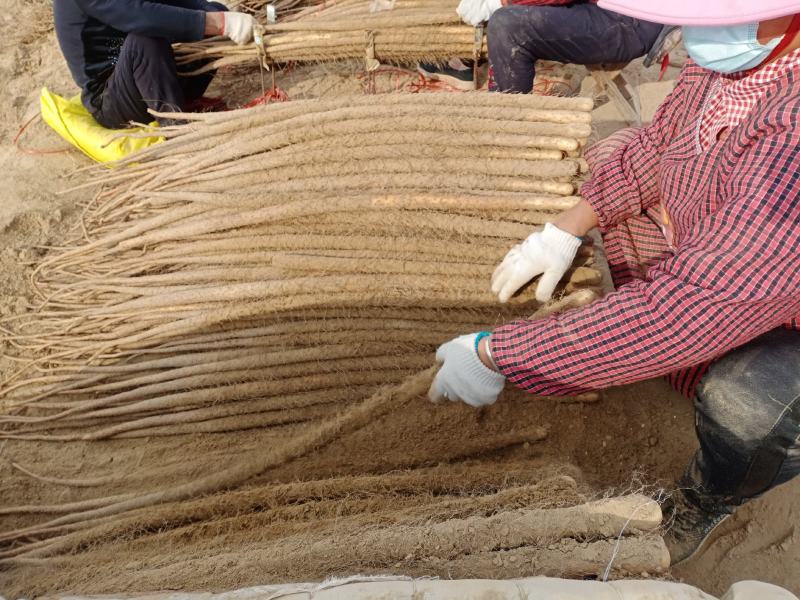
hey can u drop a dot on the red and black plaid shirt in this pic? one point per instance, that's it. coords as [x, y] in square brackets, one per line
[734, 97]
[734, 207]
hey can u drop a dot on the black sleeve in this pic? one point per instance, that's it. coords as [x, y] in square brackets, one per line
[203, 5]
[149, 18]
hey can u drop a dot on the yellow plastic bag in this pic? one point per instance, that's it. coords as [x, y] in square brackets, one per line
[71, 120]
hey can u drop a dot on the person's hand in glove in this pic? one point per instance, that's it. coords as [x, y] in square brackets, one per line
[238, 27]
[464, 376]
[475, 12]
[548, 253]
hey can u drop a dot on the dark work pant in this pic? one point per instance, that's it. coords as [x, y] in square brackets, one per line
[146, 77]
[580, 33]
[748, 421]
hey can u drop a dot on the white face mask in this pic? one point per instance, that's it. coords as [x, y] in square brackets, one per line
[727, 49]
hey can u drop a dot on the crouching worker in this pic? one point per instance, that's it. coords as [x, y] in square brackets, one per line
[521, 32]
[119, 52]
[700, 215]
[580, 33]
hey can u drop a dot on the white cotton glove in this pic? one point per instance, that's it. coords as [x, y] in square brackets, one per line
[475, 12]
[548, 253]
[492, 6]
[238, 27]
[463, 376]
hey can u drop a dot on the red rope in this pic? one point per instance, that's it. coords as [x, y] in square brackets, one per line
[34, 151]
[664, 67]
[423, 85]
[273, 95]
[418, 84]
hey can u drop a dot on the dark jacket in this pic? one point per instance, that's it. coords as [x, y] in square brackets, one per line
[91, 33]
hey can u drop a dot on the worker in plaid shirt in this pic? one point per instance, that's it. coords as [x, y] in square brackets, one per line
[700, 215]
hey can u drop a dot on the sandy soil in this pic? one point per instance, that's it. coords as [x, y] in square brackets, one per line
[637, 435]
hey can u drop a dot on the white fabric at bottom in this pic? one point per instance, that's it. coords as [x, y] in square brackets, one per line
[533, 588]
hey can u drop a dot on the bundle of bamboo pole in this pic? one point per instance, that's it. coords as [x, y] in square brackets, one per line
[411, 31]
[271, 267]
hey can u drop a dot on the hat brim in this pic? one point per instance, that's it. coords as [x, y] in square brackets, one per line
[707, 13]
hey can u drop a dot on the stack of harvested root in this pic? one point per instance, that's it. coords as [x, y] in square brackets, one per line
[222, 268]
[412, 31]
[289, 270]
[461, 520]
[284, 8]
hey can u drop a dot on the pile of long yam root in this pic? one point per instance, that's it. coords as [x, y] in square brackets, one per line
[217, 267]
[295, 266]
[411, 31]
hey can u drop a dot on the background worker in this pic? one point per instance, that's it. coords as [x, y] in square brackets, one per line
[520, 32]
[700, 215]
[119, 52]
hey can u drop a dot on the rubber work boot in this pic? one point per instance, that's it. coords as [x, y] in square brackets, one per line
[689, 525]
[456, 73]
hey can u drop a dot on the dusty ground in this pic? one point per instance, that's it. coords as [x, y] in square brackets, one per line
[641, 434]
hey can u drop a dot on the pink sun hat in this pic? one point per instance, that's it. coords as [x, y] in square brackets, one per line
[703, 12]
